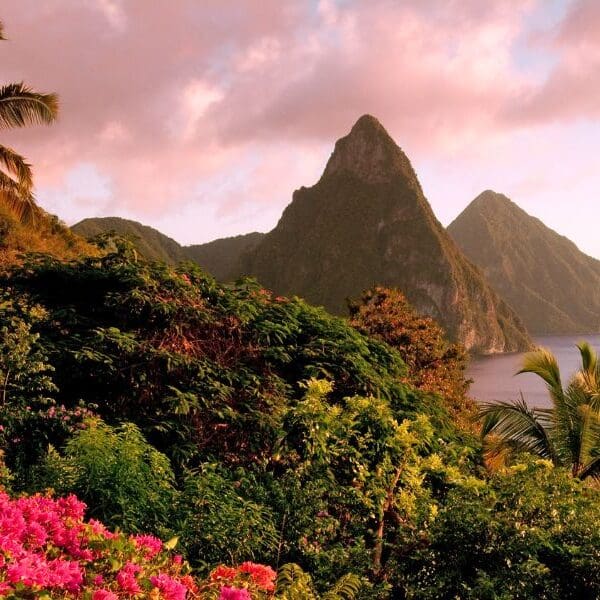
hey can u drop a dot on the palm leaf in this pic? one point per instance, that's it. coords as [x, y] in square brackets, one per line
[2, 31]
[21, 202]
[589, 436]
[589, 358]
[564, 414]
[21, 106]
[592, 469]
[589, 375]
[544, 364]
[518, 428]
[16, 166]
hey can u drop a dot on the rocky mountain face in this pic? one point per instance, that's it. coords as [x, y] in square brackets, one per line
[551, 284]
[367, 222]
[216, 257]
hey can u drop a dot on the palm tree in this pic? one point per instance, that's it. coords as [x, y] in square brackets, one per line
[20, 106]
[568, 434]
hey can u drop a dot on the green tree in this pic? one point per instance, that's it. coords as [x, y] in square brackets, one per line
[568, 433]
[435, 365]
[21, 106]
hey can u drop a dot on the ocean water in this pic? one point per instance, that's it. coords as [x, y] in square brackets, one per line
[494, 376]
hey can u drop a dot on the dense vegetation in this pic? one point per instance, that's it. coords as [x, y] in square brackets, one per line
[433, 363]
[257, 428]
[250, 429]
[549, 282]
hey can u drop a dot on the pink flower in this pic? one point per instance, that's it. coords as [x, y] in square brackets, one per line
[150, 544]
[126, 578]
[231, 593]
[104, 595]
[170, 589]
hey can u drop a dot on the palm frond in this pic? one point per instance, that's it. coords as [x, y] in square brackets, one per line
[589, 358]
[2, 31]
[21, 106]
[294, 584]
[518, 428]
[589, 375]
[592, 469]
[21, 202]
[589, 435]
[16, 166]
[544, 364]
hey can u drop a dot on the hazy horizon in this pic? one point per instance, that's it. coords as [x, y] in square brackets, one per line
[201, 120]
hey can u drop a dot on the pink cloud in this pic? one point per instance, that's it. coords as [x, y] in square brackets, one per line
[227, 106]
[572, 89]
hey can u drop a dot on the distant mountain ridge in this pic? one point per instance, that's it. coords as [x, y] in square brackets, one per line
[552, 285]
[221, 257]
[365, 222]
[149, 242]
[216, 257]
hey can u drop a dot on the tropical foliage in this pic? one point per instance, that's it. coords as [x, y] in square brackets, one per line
[434, 364]
[21, 106]
[49, 551]
[258, 429]
[568, 433]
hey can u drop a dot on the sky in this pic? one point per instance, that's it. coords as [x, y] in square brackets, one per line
[200, 117]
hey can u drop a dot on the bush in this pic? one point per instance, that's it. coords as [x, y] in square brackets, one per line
[126, 482]
[48, 550]
[530, 532]
[216, 523]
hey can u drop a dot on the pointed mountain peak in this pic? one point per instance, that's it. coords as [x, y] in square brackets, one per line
[369, 153]
[491, 207]
[368, 124]
[490, 201]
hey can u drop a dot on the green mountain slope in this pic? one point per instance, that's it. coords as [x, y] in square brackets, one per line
[217, 257]
[367, 222]
[551, 284]
[152, 244]
[220, 257]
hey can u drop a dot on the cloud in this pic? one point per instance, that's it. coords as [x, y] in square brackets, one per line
[226, 106]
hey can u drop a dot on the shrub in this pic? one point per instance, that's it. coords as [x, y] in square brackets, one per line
[217, 523]
[530, 532]
[48, 550]
[125, 481]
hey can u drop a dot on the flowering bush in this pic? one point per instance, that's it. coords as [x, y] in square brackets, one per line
[48, 550]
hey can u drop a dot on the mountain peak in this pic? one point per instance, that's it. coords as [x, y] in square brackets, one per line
[368, 123]
[542, 274]
[493, 205]
[369, 153]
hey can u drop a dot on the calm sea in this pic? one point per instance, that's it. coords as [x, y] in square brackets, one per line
[494, 376]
